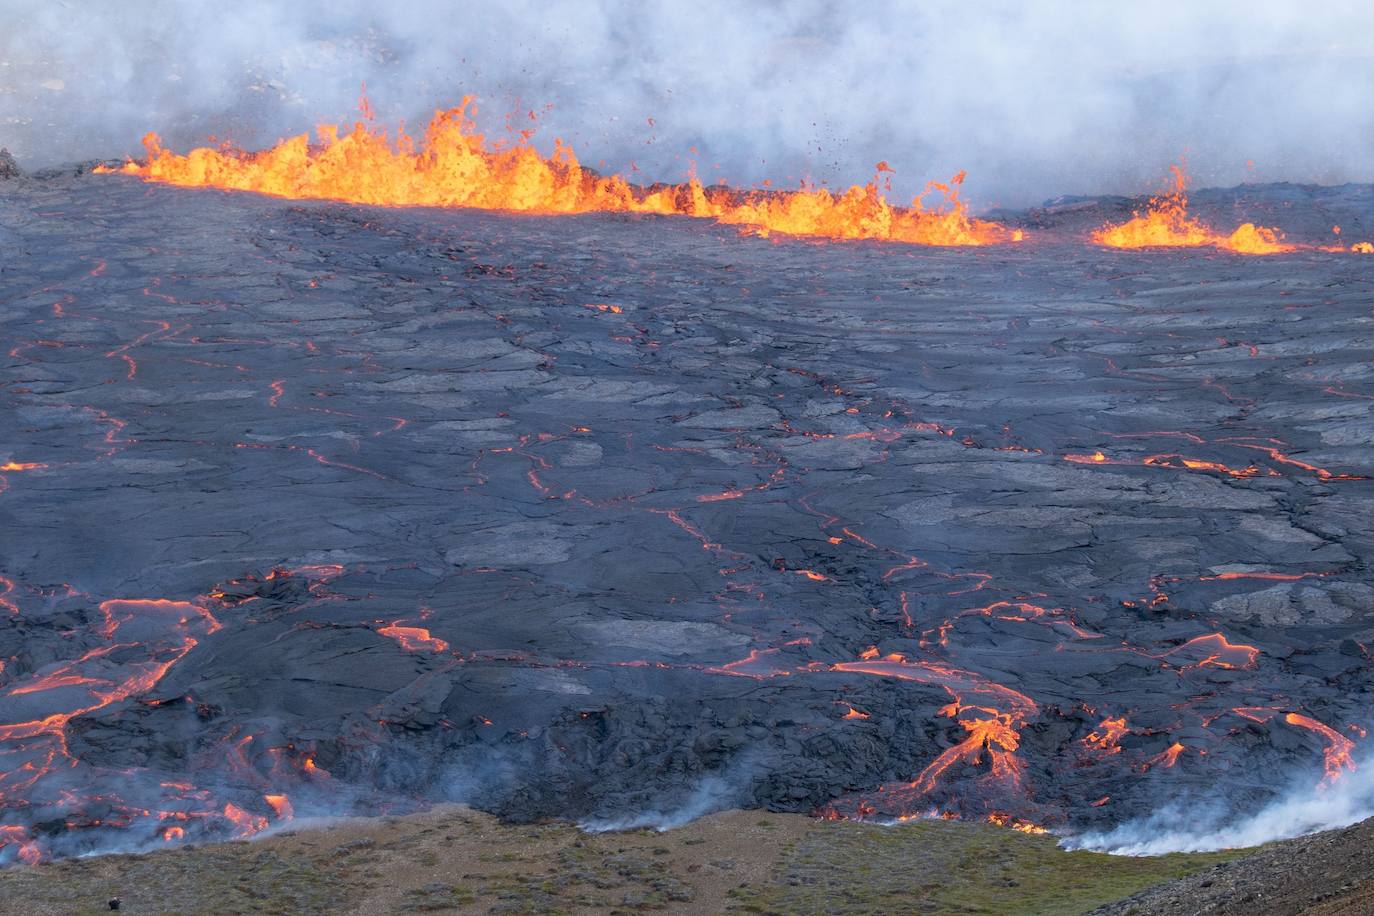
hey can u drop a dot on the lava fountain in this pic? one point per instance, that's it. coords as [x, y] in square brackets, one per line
[455, 166]
[1166, 223]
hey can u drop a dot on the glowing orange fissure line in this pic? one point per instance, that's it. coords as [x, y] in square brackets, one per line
[1222, 653]
[454, 166]
[1176, 461]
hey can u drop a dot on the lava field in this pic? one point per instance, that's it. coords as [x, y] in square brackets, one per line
[314, 508]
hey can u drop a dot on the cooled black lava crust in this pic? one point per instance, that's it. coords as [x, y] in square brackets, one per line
[608, 517]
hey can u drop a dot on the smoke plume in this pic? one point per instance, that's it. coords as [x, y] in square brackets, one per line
[1033, 99]
[1194, 825]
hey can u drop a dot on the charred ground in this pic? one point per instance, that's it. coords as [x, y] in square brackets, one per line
[329, 508]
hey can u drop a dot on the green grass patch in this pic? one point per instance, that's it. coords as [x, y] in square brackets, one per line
[938, 867]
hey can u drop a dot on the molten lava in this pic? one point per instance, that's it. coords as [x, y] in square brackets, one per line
[1338, 747]
[1213, 650]
[1166, 758]
[1337, 753]
[1166, 224]
[455, 166]
[414, 639]
[1104, 739]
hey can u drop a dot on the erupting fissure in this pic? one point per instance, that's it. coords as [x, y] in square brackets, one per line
[455, 166]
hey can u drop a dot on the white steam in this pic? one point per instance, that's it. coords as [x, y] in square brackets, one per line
[1189, 826]
[712, 794]
[1034, 99]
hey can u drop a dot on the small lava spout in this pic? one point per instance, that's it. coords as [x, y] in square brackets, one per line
[454, 166]
[1166, 224]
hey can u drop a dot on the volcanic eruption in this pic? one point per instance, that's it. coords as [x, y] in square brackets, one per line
[455, 166]
[356, 475]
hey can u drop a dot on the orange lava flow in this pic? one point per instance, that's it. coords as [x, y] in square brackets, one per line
[280, 805]
[455, 166]
[1002, 819]
[143, 678]
[1166, 758]
[993, 731]
[414, 639]
[1338, 759]
[246, 824]
[1214, 650]
[1166, 224]
[121, 610]
[1104, 739]
[993, 722]
[1338, 746]
[29, 853]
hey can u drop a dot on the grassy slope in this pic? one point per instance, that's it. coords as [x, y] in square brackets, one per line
[457, 860]
[944, 867]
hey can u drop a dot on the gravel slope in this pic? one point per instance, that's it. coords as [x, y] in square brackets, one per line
[1326, 874]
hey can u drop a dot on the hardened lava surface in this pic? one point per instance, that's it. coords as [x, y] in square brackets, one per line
[321, 508]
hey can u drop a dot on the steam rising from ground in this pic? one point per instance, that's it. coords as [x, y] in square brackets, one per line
[1194, 825]
[1033, 99]
[714, 793]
